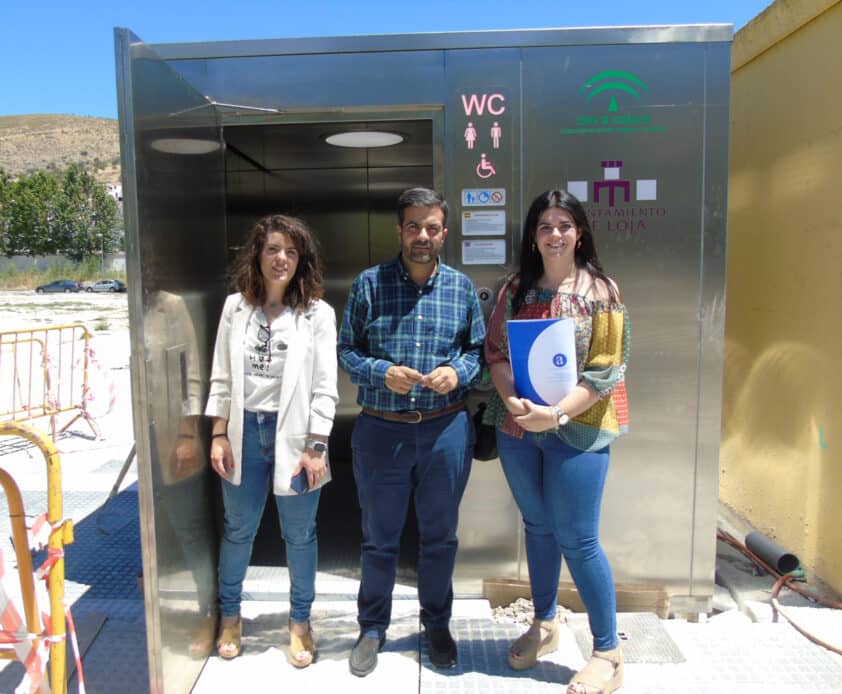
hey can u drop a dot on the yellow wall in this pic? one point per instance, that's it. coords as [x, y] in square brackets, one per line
[781, 454]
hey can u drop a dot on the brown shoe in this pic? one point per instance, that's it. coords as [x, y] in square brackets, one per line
[541, 638]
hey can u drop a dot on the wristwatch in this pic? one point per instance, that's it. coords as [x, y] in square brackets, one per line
[561, 417]
[319, 446]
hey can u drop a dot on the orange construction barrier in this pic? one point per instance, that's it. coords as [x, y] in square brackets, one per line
[27, 638]
[45, 372]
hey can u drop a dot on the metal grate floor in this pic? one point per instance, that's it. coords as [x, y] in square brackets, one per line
[643, 638]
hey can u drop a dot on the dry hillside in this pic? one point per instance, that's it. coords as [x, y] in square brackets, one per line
[33, 142]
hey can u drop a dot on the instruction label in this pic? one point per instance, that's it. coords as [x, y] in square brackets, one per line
[484, 223]
[484, 252]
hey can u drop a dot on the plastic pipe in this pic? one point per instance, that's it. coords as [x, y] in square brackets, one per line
[771, 552]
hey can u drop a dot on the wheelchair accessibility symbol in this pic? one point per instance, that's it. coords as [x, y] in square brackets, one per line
[485, 169]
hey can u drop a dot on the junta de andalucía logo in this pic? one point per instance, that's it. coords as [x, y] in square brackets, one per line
[613, 90]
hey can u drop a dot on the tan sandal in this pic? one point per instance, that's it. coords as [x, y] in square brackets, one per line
[587, 681]
[229, 641]
[302, 650]
[541, 638]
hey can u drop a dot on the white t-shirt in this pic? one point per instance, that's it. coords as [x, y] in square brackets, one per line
[264, 352]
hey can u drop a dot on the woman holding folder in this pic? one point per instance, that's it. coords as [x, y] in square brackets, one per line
[555, 454]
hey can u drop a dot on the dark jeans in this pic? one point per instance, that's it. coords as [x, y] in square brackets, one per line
[430, 461]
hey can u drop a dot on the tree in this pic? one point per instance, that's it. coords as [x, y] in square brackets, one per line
[5, 194]
[67, 212]
[86, 215]
[30, 215]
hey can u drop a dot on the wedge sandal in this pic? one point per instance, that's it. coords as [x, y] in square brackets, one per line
[302, 650]
[541, 638]
[587, 680]
[229, 641]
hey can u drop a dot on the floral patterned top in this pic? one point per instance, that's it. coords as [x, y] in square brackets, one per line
[602, 350]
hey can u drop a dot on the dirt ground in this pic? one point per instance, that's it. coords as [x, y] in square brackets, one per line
[99, 312]
[106, 318]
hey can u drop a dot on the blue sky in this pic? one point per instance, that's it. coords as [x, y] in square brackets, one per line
[57, 56]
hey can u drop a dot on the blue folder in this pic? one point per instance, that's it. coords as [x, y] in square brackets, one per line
[542, 353]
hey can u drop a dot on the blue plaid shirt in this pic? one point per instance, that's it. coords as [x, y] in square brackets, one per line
[391, 320]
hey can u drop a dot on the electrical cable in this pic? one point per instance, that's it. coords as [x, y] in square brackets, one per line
[780, 583]
[785, 580]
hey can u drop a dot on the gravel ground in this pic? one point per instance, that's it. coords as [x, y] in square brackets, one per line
[520, 612]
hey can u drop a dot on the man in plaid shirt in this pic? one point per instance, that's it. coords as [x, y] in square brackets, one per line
[411, 339]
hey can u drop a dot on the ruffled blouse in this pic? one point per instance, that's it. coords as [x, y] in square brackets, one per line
[602, 350]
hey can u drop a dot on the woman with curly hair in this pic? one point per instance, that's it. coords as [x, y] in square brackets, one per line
[272, 400]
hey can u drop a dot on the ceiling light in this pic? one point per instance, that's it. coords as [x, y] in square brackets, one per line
[364, 138]
[184, 145]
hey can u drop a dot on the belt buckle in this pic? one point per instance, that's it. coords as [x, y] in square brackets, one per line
[414, 413]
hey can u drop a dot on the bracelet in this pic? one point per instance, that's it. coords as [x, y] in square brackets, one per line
[186, 436]
[223, 435]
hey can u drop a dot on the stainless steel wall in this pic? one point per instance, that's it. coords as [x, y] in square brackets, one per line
[175, 255]
[654, 173]
[633, 121]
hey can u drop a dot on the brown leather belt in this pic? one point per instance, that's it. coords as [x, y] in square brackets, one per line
[414, 416]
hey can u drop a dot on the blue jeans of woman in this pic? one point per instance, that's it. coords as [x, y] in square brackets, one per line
[558, 490]
[243, 510]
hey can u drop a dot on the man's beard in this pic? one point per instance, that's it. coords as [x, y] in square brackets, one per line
[424, 254]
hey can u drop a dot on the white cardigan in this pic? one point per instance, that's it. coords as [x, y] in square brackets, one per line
[309, 393]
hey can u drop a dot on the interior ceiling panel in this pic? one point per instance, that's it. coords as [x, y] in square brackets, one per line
[302, 146]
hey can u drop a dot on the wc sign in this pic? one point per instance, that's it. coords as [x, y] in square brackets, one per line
[479, 104]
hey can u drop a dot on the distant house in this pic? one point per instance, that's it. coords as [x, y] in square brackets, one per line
[115, 190]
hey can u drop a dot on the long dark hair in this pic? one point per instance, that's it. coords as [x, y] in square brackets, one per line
[305, 286]
[531, 262]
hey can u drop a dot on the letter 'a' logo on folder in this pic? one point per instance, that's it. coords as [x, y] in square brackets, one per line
[543, 358]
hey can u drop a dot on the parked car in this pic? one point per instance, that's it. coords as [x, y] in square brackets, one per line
[59, 286]
[106, 286]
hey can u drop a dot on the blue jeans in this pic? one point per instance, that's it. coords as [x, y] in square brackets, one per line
[392, 460]
[558, 490]
[243, 510]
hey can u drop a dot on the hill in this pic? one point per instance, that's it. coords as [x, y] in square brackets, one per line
[36, 142]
